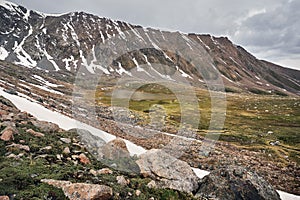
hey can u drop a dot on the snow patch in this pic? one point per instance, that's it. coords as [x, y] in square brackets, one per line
[41, 113]
[67, 62]
[3, 53]
[47, 83]
[45, 88]
[22, 55]
[50, 59]
[27, 14]
[121, 70]
[287, 196]
[200, 173]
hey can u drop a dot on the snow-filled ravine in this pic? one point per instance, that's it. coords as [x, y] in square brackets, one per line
[67, 123]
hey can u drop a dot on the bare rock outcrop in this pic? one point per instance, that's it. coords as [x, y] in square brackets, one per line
[235, 183]
[82, 191]
[167, 171]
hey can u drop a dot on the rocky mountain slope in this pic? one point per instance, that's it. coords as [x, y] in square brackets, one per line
[39, 160]
[69, 41]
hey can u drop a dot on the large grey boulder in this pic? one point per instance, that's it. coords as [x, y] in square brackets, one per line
[91, 142]
[167, 171]
[235, 183]
[46, 127]
[115, 149]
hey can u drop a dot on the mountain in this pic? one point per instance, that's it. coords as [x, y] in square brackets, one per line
[64, 43]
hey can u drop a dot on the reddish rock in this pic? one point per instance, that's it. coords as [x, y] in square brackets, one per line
[79, 191]
[83, 159]
[34, 133]
[8, 133]
[3, 112]
[4, 198]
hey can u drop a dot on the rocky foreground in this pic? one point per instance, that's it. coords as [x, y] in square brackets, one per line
[41, 161]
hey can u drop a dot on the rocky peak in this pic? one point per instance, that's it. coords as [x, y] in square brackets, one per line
[68, 41]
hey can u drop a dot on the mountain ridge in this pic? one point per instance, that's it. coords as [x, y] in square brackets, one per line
[71, 40]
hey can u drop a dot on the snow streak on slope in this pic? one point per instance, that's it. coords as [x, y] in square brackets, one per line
[3, 53]
[63, 121]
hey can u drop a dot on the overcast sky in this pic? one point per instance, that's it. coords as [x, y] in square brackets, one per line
[270, 29]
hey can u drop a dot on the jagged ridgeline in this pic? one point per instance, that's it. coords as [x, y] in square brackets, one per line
[70, 41]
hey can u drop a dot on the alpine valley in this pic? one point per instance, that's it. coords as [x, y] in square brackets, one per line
[94, 108]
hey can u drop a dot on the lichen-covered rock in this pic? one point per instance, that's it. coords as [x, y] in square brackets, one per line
[82, 191]
[114, 149]
[19, 146]
[8, 133]
[35, 133]
[167, 171]
[122, 180]
[235, 183]
[46, 127]
[90, 141]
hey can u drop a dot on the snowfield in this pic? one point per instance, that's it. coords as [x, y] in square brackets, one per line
[63, 121]
[67, 123]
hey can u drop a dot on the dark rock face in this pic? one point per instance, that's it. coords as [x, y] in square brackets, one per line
[236, 183]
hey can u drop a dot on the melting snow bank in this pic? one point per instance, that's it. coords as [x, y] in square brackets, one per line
[67, 123]
[288, 196]
[200, 173]
[42, 113]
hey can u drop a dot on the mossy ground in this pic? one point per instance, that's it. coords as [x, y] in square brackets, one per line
[21, 178]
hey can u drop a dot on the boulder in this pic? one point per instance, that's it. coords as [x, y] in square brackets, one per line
[101, 171]
[80, 191]
[4, 198]
[235, 183]
[46, 127]
[114, 150]
[84, 159]
[167, 171]
[8, 133]
[66, 151]
[66, 140]
[34, 133]
[91, 142]
[122, 180]
[19, 146]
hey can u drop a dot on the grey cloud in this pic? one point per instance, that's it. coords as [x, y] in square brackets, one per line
[276, 30]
